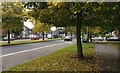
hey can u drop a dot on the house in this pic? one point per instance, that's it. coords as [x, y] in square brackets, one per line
[117, 33]
[3, 33]
[27, 30]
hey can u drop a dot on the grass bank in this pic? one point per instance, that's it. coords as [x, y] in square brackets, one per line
[26, 42]
[115, 44]
[63, 60]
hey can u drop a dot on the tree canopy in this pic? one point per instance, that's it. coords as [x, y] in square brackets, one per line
[11, 15]
[12, 18]
[79, 14]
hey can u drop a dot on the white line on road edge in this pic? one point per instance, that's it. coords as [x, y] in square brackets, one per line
[28, 50]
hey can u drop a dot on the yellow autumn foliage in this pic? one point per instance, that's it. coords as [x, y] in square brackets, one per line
[40, 27]
[94, 30]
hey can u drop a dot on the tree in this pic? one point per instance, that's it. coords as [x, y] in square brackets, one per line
[41, 27]
[12, 18]
[73, 14]
[34, 14]
[70, 29]
[108, 14]
[65, 14]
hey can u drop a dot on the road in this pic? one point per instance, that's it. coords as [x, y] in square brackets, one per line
[17, 48]
[17, 54]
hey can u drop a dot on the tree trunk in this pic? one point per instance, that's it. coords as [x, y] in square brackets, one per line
[8, 36]
[90, 37]
[46, 35]
[78, 29]
[71, 34]
[43, 35]
[66, 33]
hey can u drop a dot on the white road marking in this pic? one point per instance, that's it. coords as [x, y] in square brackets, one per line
[29, 50]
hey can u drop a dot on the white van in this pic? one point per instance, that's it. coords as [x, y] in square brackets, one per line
[49, 36]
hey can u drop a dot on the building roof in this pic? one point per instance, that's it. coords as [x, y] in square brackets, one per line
[3, 31]
[29, 25]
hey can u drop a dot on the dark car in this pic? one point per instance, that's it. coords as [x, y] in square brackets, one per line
[35, 37]
[68, 38]
[55, 36]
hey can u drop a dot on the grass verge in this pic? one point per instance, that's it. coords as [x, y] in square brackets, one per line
[63, 60]
[115, 44]
[26, 42]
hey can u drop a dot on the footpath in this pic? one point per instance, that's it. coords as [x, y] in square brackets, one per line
[108, 57]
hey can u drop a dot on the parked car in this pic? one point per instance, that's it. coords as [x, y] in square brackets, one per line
[6, 39]
[97, 39]
[49, 36]
[112, 39]
[68, 38]
[84, 40]
[35, 37]
[55, 36]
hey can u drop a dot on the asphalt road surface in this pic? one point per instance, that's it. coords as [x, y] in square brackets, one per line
[17, 54]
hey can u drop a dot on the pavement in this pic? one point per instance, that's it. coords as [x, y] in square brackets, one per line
[108, 57]
[17, 54]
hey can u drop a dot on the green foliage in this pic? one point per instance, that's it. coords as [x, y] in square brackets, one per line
[114, 44]
[70, 29]
[110, 15]
[12, 18]
[41, 27]
[36, 8]
[64, 13]
[104, 15]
